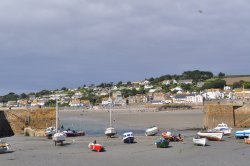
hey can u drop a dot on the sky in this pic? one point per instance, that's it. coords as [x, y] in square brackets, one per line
[51, 44]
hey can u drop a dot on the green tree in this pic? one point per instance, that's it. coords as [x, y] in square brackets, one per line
[214, 83]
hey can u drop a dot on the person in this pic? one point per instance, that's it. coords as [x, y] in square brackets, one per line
[179, 137]
[94, 142]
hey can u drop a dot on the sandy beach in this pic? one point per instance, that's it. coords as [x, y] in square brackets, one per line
[39, 151]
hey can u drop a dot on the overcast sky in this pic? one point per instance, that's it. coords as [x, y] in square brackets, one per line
[51, 44]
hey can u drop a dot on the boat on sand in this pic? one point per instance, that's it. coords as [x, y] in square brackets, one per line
[128, 137]
[4, 147]
[151, 131]
[197, 140]
[222, 127]
[247, 140]
[211, 136]
[95, 147]
[162, 143]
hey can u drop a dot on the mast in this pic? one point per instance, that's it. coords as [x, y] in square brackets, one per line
[110, 121]
[56, 116]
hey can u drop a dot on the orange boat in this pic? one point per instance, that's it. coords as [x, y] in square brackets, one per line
[168, 135]
[95, 147]
[247, 140]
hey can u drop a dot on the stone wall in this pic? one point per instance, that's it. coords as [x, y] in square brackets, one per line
[37, 120]
[233, 115]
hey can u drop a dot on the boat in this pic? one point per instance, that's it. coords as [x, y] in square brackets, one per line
[171, 137]
[95, 147]
[4, 147]
[49, 132]
[162, 143]
[73, 133]
[247, 140]
[151, 131]
[211, 136]
[58, 137]
[110, 131]
[197, 140]
[128, 137]
[223, 128]
[242, 134]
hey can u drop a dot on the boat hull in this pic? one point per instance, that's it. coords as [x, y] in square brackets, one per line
[4, 147]
[242, 134]
[96, 147]
[200, 141]
[110, 132]
[211, 136]
[151, 131]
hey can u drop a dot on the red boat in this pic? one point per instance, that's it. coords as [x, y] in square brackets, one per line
[95, 147]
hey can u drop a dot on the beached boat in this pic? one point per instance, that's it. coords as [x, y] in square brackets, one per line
[197, 140]
[171, 137]
[73, 133]
[162, 143]
[49, 132]
[110, 131]
[95, 147]
[4, 147]
[247, 140]
[223, 128]
[128, 137]
[151, 131]
[58, 137]
[242, 134]
[211, 136]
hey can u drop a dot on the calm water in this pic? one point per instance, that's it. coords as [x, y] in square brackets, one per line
[95, 127]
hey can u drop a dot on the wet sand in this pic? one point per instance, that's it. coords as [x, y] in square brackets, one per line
[39, 151]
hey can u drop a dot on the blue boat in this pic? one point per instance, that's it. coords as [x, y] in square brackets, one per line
[242, 134]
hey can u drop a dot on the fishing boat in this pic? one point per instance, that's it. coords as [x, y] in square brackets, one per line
[128, 137]
[49, 132]
[247, 140]
[110, 131]
[151, 131]
[197, 140]
[211, 136]
[242, 134]
[4, 147]
[223, 128]
[162, 143]
[58, 137]
[95, 147]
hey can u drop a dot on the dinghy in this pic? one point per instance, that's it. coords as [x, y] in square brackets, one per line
[247, 140]
[4, 147]
[162, 143]
[211, 136]
[197, 140]
[151, 131]
[95, 147]
[242, 134]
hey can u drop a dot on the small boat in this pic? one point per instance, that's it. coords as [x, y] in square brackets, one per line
[162, 143]
[95, 147]
[247, 140]
[151, 131]
[128, 137]
[4, 147]
[223, 128]
[197, 140]
[211, 136]
[171, 137]
[49, 132]
[242, 134]
[73, 133]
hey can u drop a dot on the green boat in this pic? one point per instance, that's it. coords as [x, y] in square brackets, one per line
[162, 143]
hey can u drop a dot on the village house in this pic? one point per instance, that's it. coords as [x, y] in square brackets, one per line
[242, 93]
[76, 103]
[166, 82]
[188, 81]
[213, 94]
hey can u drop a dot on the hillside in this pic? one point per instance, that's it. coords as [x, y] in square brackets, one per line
[232, 79]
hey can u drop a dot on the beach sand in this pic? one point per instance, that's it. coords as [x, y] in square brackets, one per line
[39, 151]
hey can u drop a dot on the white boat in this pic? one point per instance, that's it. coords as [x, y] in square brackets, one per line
[58, 137]
[110, 131]
[128, 137]
[151, 131]
[211, 136]
[197, 140]
[223, 128]
[4, 147]
[50, 131]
